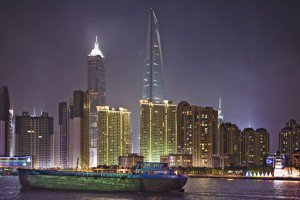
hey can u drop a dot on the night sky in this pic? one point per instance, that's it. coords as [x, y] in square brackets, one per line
[248, 52]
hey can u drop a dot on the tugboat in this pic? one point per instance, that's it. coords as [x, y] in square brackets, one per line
[147, 177]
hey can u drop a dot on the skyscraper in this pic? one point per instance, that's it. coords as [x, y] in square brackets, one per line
[184, 128]
[255, 146]
[97, 95]
[96, 78]
[263, 145]
[289, 138]
[157, 129]
[78, 133]
[153, 80]
[114, 134]
[196, 129]
[230, 142]
[4, 121]
[74, 138]
[34, 137]
[63, 122]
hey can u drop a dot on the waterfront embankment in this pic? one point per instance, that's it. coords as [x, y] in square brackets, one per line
[228, 176]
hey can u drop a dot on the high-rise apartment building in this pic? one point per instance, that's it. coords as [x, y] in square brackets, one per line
[153, 80]
[4, 121]
[157, 129]
[255, 146]
[63, 122]
[184, 128]
[196, 129]
[263, 145]
[289, 138]
[230, 142]
[114, 134]
[248, 149]
[34, 137]
[97, 96]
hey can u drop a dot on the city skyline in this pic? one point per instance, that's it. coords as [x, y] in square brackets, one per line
[44, 86]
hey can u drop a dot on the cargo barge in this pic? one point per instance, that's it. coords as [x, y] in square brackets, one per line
[148, 177]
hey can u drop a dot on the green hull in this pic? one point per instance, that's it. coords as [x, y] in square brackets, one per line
[99, 182]
[83, 183]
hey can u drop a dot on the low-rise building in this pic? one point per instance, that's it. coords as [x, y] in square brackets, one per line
[295, 159]
[176, 160]
[220, 161]
[129, 160]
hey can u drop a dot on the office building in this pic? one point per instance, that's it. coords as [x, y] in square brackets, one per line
[97, 96]
[34, 137]
[153, 80]
[114, 134]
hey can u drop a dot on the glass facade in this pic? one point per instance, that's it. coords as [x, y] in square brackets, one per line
[97, 95]
[153, 81]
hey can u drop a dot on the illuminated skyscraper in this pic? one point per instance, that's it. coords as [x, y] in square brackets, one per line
[157, 129]
[96, 78]
[34, 137]
[263, 146]
[255, 146]
[153, 80]
[196, 129]
[289, 138]
[184, 128]
[97, 95]
[114, 134]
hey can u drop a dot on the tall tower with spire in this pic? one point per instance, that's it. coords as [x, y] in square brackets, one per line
[97, 96]
[153, 79]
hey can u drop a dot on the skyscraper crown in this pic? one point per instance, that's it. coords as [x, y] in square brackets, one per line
[96, 51]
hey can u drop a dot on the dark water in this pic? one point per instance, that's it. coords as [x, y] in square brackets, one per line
[196, 188]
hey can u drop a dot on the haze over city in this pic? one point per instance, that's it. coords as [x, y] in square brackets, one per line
[247, 53]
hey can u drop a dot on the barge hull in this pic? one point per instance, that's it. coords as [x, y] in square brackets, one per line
[35, 179]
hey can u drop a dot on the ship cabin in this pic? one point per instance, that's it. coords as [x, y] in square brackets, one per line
[153, 168]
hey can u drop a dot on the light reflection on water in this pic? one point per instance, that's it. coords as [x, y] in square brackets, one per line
[196, 188]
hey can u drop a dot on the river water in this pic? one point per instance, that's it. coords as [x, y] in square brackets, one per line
[196, 188]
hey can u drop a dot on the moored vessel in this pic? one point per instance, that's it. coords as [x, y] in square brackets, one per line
[148, 177]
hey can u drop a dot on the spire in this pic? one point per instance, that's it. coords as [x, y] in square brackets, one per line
[220, 103]
[96, 51]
